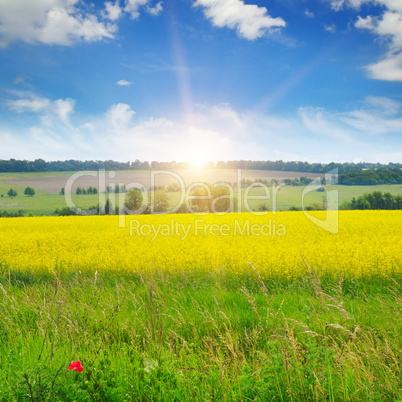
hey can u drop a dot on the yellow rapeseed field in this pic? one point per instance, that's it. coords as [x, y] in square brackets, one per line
[368, 243]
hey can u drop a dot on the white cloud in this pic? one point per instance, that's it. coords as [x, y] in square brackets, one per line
[123, 83]
[309, 14]
[113, 11]
[20, 79]
[60, 22]
[64, 22]
[323, 123]
[63, 108]
[382, 105]
[250, 20]
[154, 10]
[132, 7]
[120, 114]
[387, 26]
[389, 69]
[338, 4]
[26, 101]
[375, 116]
[29, 103]
[330, 28]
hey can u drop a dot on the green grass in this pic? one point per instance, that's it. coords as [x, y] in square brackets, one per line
[42, 203]
[199, 337]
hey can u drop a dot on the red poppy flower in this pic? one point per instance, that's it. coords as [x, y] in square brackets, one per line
[76, 366]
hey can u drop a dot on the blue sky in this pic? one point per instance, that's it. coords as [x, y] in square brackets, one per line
[316, 81]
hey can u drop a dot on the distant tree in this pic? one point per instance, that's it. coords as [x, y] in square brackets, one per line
[62, 192]
[389, 201]
[78, 191]
[217, 199]
[65, 211]
[29, 191]
[263, 208]
[158, 202]
[375, 200]
[11, 193]
[293, 208]
[221, 199]
[173, 187]
[108, 207]
[202, 200]
[133, 199]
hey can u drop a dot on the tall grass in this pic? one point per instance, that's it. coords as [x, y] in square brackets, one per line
[198, 336]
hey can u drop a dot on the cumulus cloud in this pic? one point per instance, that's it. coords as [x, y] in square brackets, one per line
[113, 11]
[249, 20]
[120, 115]
[154, 10]
[64, 22]
[60, 22]
[338, 4]
[25, 101]
[123, 83]
[132, 7]
[63, 108]
[388, 69]
[387, 26]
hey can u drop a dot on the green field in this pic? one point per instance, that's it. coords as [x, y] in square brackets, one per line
[45, 202]
[201, 337]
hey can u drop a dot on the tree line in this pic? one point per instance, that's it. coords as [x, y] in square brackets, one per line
[40, 165]
[371, 177]
[9, 214]
[375, 200]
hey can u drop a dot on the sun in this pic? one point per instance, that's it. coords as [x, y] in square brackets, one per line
[197, 161]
